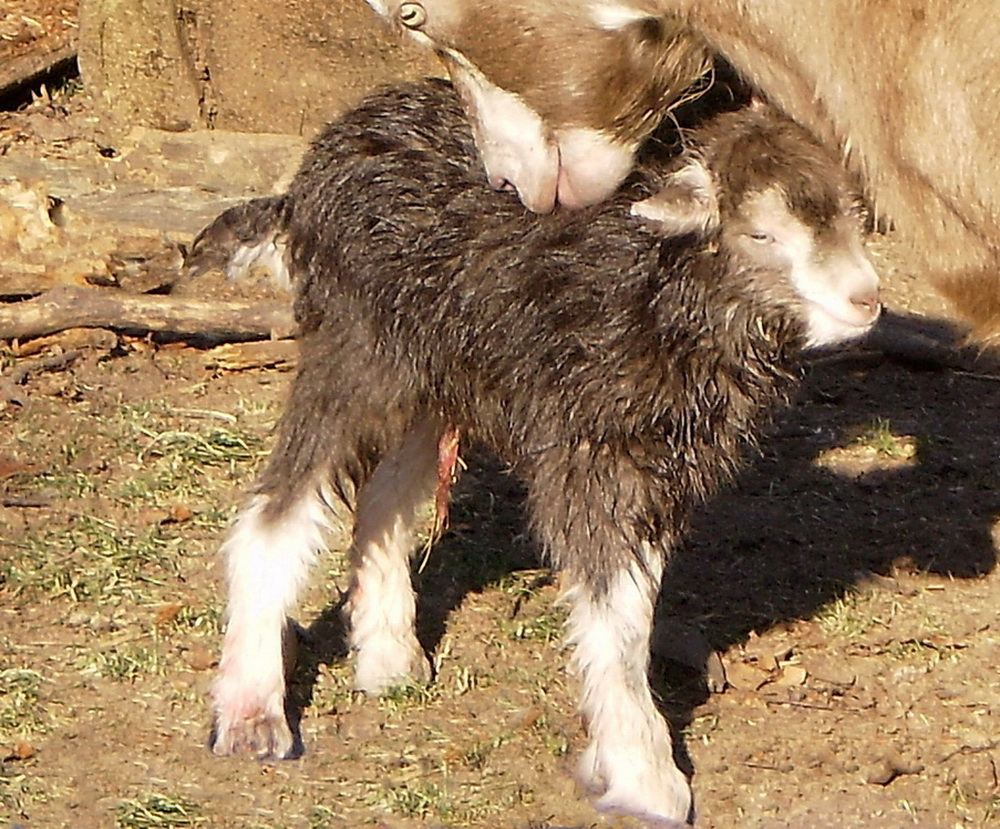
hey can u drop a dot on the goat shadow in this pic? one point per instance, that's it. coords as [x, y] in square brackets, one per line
[789, 537]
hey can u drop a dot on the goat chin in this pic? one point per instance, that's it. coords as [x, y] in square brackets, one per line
[827, 330]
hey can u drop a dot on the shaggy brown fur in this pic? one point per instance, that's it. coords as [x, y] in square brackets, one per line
[617, 372]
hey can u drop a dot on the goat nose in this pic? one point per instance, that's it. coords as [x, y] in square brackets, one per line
[868, 302]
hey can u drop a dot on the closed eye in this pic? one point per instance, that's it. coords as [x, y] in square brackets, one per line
[761, 238]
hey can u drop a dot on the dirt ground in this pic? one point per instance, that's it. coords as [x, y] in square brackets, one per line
[35, 26]
[847, 583]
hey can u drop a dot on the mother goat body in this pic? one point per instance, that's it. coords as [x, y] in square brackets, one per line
[619, 371]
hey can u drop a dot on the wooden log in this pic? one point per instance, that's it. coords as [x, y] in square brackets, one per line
[278, 354]
[70, 306]
[69, 340]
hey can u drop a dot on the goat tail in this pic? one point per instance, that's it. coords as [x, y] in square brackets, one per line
[242, 242]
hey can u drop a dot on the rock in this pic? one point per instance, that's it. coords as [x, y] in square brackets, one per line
[792, 675]
[214, 160]
[237, 64]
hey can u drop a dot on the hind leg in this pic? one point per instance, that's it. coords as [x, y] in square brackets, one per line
[272, 545]
[382, 605]
[268, 558]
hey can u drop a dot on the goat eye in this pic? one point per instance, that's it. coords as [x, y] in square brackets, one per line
[761, 238]
[412, 15]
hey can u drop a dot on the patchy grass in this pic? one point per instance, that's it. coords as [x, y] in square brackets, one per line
[92, 559]
[165, 452]
[555, 741]
[18, 789]
[323, 817]
[20, 704]
[881, 439]
[468, 804]
[417, 799]
[876, 448]
[202, 620]
[214, 446]
[843, 617]
[546, 626]
[535, 615]
[124, 663]
[409, 696]
[158, 811]
[476, 757]
[854, 614]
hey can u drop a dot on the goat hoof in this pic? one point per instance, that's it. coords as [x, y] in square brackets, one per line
[665, 807]
[248, 722]
[261, 737]
[375, 676]
[655, 792]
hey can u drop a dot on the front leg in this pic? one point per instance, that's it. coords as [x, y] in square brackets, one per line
[629, 760]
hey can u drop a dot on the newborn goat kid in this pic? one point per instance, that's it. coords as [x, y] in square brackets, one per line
[618, 371]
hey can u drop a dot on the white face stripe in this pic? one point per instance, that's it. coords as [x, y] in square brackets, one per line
[839, 287]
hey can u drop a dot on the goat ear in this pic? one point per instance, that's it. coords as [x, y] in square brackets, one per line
[686, 203]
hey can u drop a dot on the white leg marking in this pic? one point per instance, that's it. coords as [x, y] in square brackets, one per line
[629, 758]
[268, 562]
[383, 604]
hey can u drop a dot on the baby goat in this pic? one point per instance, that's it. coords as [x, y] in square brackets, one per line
[619, 366]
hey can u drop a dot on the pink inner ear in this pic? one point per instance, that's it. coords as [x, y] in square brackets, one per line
[516, 146]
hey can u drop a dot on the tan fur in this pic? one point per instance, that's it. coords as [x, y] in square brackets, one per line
[568, 69]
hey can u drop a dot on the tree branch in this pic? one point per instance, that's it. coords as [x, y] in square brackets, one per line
[71, 306]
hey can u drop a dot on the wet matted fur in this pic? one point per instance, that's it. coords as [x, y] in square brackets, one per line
[620, 373]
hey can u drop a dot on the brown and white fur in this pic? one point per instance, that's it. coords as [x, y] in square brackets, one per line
[559, 104]
[620, 364]
[906, 92]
